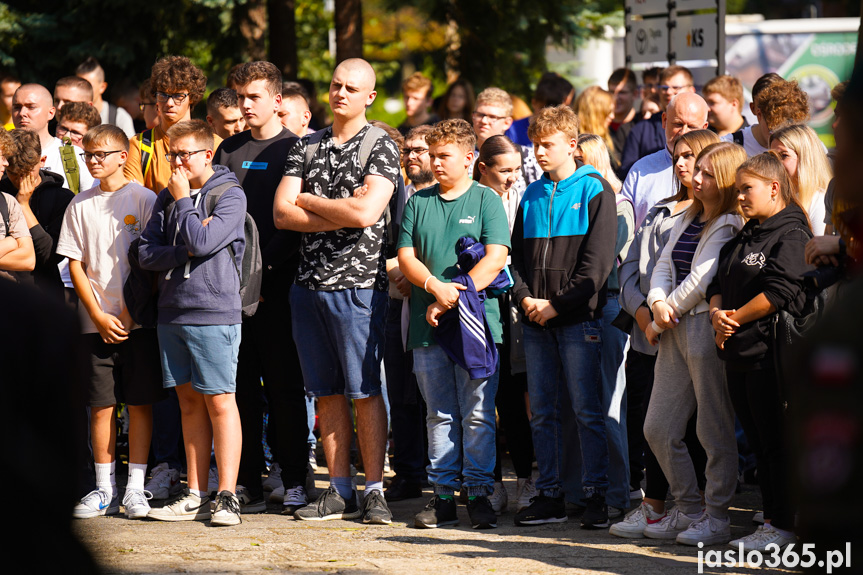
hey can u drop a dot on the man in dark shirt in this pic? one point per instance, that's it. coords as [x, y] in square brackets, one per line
[267, 347]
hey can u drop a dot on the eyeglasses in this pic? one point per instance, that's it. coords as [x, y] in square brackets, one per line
[184, 156]
[73, 135]
[178, 98]
[100, 156]
[478, 116]
[666, 87]
[418, 151]
[143, 105]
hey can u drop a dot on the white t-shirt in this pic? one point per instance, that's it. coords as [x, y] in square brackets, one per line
[122, 121]
[817, 212]
[750, 144]
[97, 230]
[54, 163]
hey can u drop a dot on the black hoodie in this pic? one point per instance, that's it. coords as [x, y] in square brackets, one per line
[763, 258]
[48, 202]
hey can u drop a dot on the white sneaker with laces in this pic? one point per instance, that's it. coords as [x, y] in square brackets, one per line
[189, 507]
[632, 527]
[135, 502]
[525, 491]
[164, 482]
[669, 526]
[227, 511]
[274, 478]
[97, 502]
[706, 529]
[499, 499]
[763, 536]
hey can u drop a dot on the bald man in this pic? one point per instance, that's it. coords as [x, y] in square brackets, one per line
[339, 296]
[651, 178]
[32, 109]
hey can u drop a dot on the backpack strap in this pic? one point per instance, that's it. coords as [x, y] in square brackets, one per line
[211, 200]
[312, 145]
[4, 213]
[369, 140]
[737, 137]
[112, 114]
[145, 144]
[70, 166]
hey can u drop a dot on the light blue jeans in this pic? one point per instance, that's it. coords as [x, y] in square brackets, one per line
[460, 421]
[559, 359]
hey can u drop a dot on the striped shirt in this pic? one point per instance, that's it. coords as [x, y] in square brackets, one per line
[684, 249]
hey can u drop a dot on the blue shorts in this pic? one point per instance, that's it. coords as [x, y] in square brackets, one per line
[206, 355]
[340, 339]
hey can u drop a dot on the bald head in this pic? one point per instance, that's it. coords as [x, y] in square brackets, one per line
[32, 109]
[352, 90]
[686, 112]
[38, 91]
[362, 69]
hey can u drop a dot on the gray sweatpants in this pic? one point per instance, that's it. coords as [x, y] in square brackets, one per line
[690, 375]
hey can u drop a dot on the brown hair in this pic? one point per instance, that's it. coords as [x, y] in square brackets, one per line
[76, 82]
[7, 144]
[593, 107]
[421, 131]
[726, 86]
[697, 140]
[173, 74]
[623, 76]
[724, 158]
[496, 146]
[80, 112]
[391, 132]
[455, 131]
[26, 153]
[470, 101]
[199, 130]
[768, 167]
[106, 134]
[416, 82]
[674, 71]
[783, 103]
[557, 119]
[259, 70]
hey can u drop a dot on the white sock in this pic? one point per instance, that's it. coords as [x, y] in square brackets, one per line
[105, 478]
[199, 493]
[137, 472]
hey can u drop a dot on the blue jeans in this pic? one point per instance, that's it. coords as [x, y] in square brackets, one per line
[460, 421]
[558, 359]
[614, 405]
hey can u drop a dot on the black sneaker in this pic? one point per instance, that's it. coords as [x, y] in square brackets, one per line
[542, 509]
[375, 509]
[595, 515]
[481, 513]
[401, 489]
[330, 505]
[438, 512]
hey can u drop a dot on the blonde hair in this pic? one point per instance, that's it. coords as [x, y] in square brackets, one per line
[593, 107]
[495, 97]
[724, 158]
[596, 153]
[697, 140]
[553, 119]
[813, 168]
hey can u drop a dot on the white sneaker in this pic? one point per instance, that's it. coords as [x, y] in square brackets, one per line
[632, 527]
[758, 518]
[247, 504]
[213, 482]
[636, 494]
[135, 502]
[707, 530]
[313, 460]
[763, 536]
[97, 502]
[669, 526]
[294, 498]
[274, 478]
[525, 491]
[499, 499]
[164, 482]
[190, 507]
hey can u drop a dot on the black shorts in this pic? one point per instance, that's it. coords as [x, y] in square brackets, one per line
[128, 372]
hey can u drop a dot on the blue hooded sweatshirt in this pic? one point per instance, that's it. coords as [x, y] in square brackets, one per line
[203, 289]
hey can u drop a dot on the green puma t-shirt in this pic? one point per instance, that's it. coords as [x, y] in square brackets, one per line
[433, 226]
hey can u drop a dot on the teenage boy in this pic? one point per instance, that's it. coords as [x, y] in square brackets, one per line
[91, 71]
[74, 120]
[624, 86]
[267, 350]
[99, 225]
[461, 420]
[294, 113]
[196, 250]
[72, 89]
[223, 113]
[724, 95]
[563, 250]
[551, 90]
[177, 86]
[339, 296]
[417, 94]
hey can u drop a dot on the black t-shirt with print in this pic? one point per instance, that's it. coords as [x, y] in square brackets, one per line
[348, 257]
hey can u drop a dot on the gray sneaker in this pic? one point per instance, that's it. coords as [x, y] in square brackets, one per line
[135, 502]
[330, 505]
[227, 511]
[247, 504]
[375, 509]
[189, 507]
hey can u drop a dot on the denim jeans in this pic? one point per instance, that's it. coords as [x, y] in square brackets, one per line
[614, 405]
[559, 358]
[460, 421]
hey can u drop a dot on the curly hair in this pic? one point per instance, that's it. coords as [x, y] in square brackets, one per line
[26, 153]
[7, 144]
[554, 119]
[173, 74]
[454, 131]
[781, 104]
[80, 112]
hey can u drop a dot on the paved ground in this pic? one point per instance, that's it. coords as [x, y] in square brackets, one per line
[270, 542]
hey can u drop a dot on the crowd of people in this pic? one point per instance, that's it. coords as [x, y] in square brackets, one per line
[590, 288]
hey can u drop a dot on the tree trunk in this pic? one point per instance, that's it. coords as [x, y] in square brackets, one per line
[283, 37]
[349, 29]
[253, 25]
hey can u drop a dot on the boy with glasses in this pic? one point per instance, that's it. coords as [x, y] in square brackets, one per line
[197, 248]
[74, 120]
[98, 227]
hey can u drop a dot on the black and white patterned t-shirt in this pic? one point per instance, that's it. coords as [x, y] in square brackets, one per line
[348, 257]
